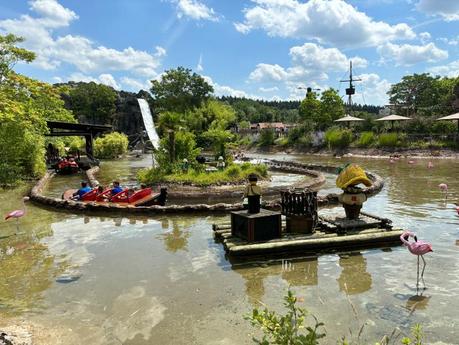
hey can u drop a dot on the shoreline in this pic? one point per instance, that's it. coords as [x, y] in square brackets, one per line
[362, 152]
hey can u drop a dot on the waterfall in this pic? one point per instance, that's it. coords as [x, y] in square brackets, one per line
[148, 122]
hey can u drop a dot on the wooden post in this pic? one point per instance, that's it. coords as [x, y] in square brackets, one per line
[89, 146]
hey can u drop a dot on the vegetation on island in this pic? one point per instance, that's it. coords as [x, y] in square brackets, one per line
[291, 328]
[190, 121]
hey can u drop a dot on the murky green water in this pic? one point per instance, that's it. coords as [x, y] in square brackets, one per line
[163, 280]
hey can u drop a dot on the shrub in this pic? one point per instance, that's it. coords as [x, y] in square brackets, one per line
[111, 145]
[366, 139]
[233, 171]
[286, 329]
[388, 140]
[266, 137]
[338, 138]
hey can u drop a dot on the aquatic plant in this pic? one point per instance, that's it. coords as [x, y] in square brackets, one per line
[291, 328]
[338, 138]
[366, 139]
[286, 329]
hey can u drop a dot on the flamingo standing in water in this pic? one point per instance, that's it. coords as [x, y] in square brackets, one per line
[418, 248]
[18, 213]
[444, 188]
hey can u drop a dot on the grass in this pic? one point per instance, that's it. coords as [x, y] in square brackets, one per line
[234, 173]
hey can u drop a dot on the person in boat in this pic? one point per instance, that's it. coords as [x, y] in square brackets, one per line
[82, 191]
[116, 188]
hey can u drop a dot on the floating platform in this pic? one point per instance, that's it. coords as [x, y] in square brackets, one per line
[331, 234]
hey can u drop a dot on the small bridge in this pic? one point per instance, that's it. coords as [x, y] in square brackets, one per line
[89, 132]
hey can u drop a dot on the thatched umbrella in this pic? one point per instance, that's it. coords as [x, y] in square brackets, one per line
[348, 119]
[392, 118]
[451, 117]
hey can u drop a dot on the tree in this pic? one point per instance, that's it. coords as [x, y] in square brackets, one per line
[309, 107]
[170, 122]
[180, 90]
[331, 108]
[10, 54]
[92, 102]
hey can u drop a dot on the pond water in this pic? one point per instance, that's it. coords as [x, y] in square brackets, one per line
[74, 279]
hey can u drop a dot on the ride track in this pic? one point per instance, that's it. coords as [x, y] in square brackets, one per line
[36, 194]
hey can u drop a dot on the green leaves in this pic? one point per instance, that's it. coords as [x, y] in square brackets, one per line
[288, 329]
[10, 54]
[180, 90]
[111, 145]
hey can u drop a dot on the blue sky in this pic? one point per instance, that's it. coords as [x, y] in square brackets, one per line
[255, 48]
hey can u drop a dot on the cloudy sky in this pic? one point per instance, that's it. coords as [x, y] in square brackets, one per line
[255, 48]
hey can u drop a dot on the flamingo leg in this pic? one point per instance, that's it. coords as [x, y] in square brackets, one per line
[424, 267]
[17, 226]
[417, 276]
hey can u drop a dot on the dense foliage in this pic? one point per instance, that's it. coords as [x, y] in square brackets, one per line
[180, 90]
[111, 145]
[196, 176]
[25, 105]
[92, 103]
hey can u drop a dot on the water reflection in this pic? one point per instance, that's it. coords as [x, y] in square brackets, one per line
[176, 233]
[354, 278]
[295, 272]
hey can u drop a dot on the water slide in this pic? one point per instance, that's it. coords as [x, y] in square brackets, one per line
[148, 122]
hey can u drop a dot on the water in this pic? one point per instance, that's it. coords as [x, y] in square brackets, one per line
[73, 279]
[148, 122]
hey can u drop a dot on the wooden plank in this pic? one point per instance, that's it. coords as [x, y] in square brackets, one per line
[369, 238]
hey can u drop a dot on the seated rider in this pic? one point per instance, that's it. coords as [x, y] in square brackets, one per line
[82, 191]
[116, 188]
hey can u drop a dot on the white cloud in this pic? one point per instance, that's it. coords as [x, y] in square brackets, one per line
[425, 37]
[373, 89]
[450, 70]
[269, 89]
[407, 55]
[78, 51]
[327, 21]
[195, 10]
[222, 90]
[447, 9]
[309, 61]
[134, 84]
[109, 80]
[104, 78]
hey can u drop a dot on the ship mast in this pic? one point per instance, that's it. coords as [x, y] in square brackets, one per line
[351, 89]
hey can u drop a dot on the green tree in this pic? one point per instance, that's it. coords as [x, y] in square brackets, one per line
[218, 139]
[212, 114]
[171, 122]
[331, 108]
[180, 90]
[92, 102]
[267, 137]
[10, 54]
[309, 109]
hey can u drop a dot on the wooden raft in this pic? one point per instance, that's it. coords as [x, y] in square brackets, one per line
[331, 234]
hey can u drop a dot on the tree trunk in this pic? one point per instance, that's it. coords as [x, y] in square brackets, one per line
[172, 146]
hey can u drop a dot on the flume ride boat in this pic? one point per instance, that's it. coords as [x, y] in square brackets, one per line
[142, 197]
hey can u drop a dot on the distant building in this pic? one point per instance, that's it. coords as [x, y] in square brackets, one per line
[279, 127]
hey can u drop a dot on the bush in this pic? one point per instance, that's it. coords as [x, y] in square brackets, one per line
[233, 171]
[111, 145]
[232, 174]
[266, 137]
[388, 140]
[366, 139]
[338, 138]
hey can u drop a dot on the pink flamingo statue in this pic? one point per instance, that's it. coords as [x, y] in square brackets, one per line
[444, 188]
[430, 165]
[18, 213]
[418, 248]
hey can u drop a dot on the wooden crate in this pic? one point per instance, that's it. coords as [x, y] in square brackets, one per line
[300, 224]
[262, 226]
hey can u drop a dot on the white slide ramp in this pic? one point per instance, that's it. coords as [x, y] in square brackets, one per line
[148, 122]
